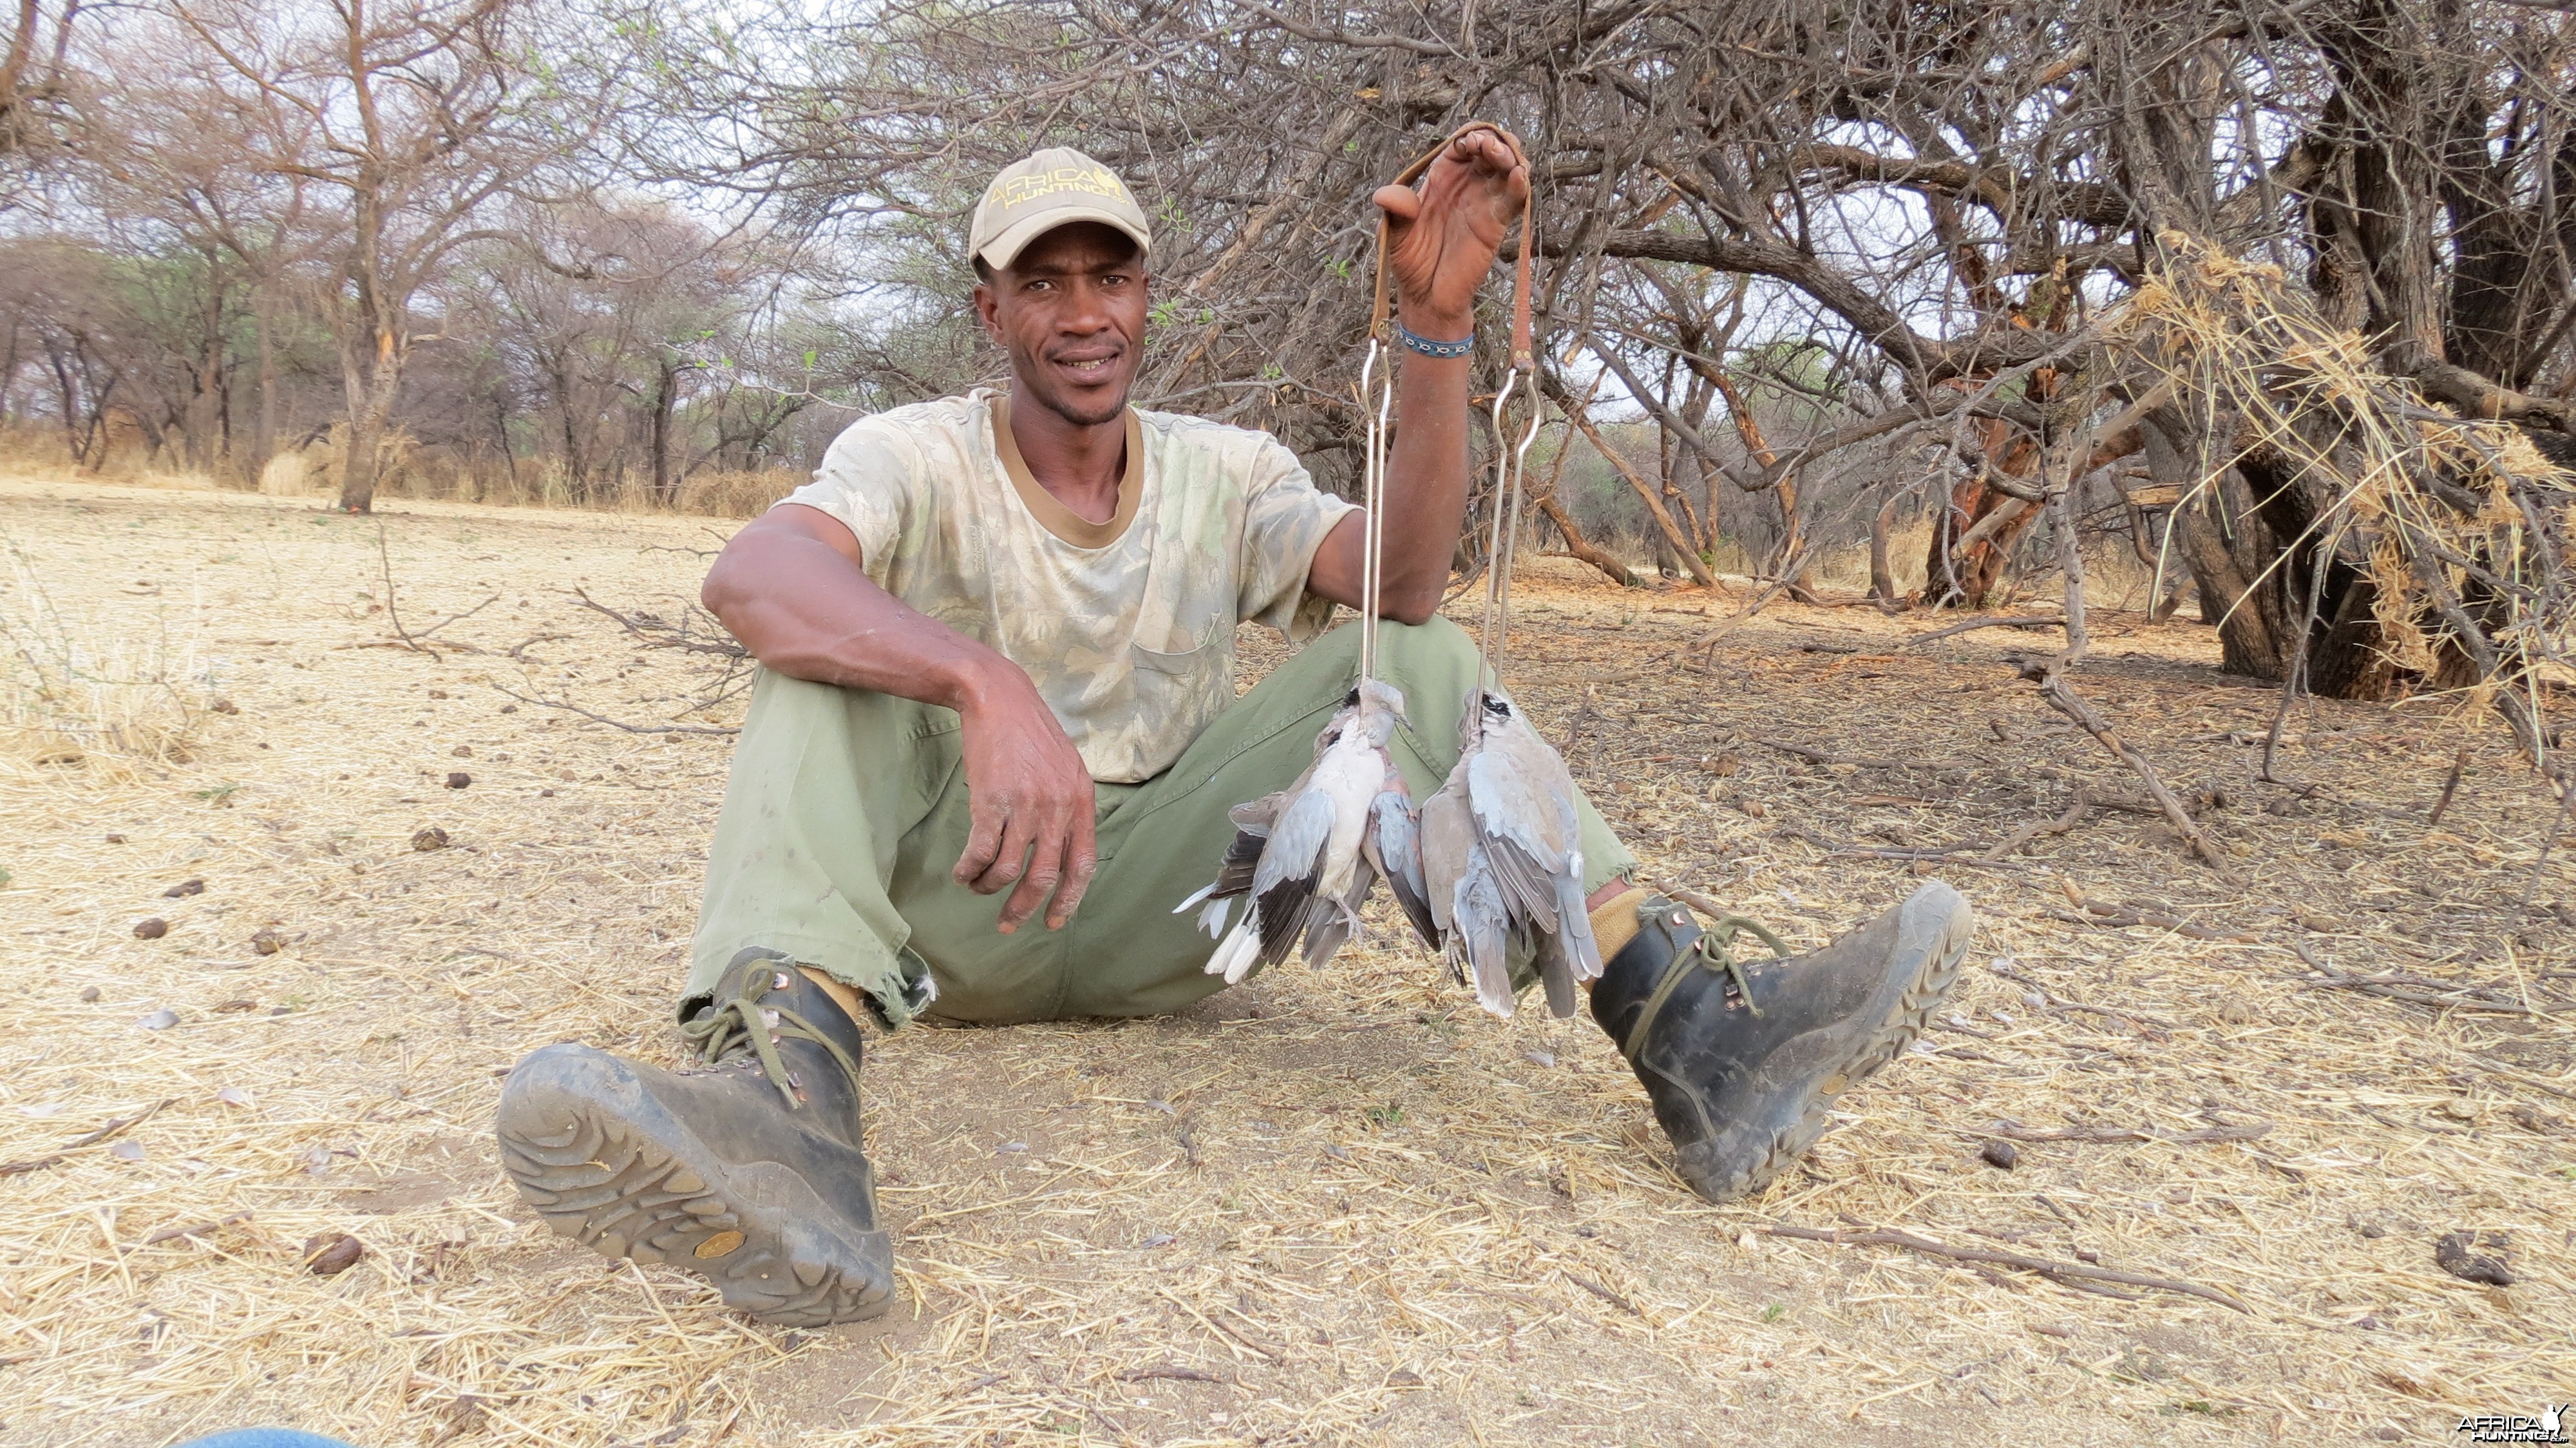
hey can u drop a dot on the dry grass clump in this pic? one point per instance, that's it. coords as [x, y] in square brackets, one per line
[291, 474]
[529, 483]
[737, 494]
[2461, 524]
[1328, 1207]
[73, 700]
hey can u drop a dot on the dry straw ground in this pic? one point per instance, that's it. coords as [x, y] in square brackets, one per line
[1335, 1208]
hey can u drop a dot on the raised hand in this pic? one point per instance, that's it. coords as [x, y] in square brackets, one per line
[1441, 237]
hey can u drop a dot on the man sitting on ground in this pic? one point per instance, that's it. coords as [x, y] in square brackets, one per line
[997, 644]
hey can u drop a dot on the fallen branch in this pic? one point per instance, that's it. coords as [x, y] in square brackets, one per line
[2548, 842]
[1708, 641]
[655, 634]
[1603, 1292]
[2096, 913]
[2074, 816]
[1957, 855]
[172, 1234]
[403, 637]
[2069, 1274]
[115, 1128]
[2450, 786]
[1822, 756]
[2412, 989]
[2509, 1073]
[2008, 971]
[2064, 700]
[2021, 620]
[2109, 1135]
[86, 1139]
[1170, 1371]
[617, 723]
[1220, 1328]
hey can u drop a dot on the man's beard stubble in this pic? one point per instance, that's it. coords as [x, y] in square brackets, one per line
[1064, 407]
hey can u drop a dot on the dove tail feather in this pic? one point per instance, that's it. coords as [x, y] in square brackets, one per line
[1493, 974]
[1484, 927]
[1234, 954]
[1556, 974]
[1574, 925]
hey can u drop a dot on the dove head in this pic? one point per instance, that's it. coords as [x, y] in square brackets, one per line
[1486, 709]
[1381, 707]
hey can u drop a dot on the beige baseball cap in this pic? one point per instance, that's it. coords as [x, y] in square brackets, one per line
[1055, 187]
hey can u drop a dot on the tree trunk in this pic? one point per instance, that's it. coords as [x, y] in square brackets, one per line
[2248, 542]
[1792, 559]
[1789, 560]
[1579, 546]
[1882, 577]
[501, 435]
[65, 408]
[372, 402]
[1964, 576]
[666, 489]
[263, 442]
[199, 428]
[1663, 520]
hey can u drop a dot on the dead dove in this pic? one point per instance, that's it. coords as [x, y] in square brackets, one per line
[1307, 856]
[1501, 862]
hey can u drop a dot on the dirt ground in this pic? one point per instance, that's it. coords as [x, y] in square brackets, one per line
[1336, 1207]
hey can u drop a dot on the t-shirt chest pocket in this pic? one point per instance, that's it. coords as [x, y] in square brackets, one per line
[1186, 640]
[1187, 612]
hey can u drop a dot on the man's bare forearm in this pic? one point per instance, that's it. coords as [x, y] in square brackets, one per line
[1438, 245]
[805, 608]
[1426, 473]
[790, 587]
[1426, 488]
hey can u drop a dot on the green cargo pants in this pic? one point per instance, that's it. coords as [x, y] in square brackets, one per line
[846, 811]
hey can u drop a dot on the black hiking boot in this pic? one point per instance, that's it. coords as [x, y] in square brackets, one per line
[1743, 1061]
[746, 1169]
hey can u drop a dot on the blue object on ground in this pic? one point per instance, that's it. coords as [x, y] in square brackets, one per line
[264, 1439]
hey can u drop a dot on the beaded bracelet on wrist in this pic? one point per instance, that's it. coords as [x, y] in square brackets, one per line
[1429, 348]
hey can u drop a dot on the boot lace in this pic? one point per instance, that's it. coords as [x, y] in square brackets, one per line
[1708, 952]
[728, 1028]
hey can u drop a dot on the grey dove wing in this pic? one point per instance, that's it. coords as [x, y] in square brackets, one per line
[1397, 842]
[1242, 853]
[1242, 858]
[1448, 832]
[1255, 815]
[1528, 888]
[1482, 933]
[1284, 881]
[1520, 798]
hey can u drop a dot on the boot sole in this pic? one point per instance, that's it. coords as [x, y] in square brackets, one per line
[607, 1165]
[1931, 940]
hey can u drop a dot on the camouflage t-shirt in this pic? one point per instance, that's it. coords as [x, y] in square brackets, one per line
[1127, 626]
